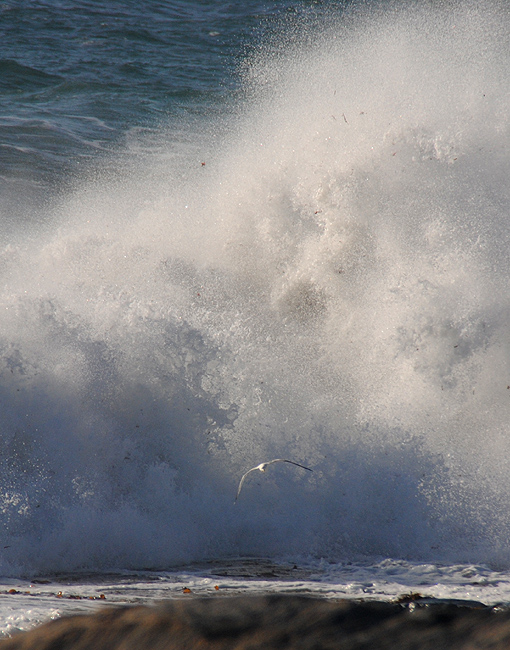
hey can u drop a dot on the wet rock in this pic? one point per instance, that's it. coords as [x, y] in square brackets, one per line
[275, 622]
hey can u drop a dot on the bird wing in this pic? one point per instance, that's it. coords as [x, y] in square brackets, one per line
[284, 460]
[261, 467]
[242, 481]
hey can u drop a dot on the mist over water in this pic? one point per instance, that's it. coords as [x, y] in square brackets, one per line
[331, 286]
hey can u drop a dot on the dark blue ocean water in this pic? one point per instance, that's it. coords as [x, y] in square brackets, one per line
[76, 77]
[232, 232]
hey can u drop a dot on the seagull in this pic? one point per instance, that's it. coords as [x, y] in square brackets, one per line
[262, 468]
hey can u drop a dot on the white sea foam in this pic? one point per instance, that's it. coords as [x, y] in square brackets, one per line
[331, 286]
[24, 604]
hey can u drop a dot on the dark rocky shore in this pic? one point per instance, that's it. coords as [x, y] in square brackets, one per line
[274, 621]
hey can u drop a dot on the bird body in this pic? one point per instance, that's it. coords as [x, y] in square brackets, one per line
[262, 468]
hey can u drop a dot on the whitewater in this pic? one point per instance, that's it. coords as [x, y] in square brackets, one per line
[320, 273]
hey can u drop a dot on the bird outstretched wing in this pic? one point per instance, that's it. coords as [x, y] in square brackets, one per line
[242, 481]
[284, 460]
[262, 468]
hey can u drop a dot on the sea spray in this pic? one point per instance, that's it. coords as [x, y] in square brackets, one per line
[321, 275]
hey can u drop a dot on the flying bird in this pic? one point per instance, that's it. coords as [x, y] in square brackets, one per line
[262, 468]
